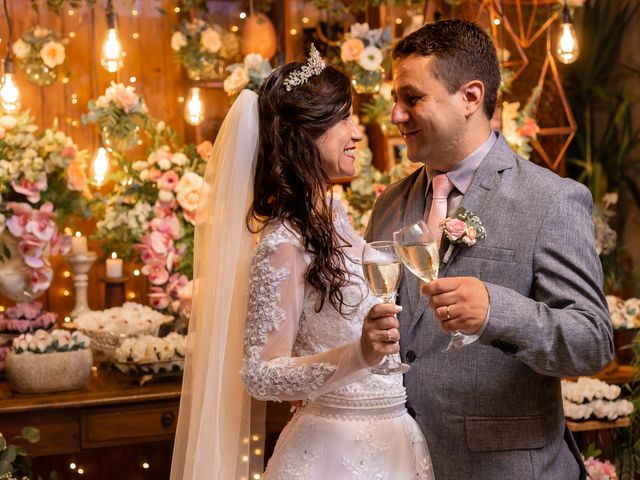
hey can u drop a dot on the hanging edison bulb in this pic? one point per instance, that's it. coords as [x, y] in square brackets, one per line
[568, 50]
[112, 57]
[100, 166]
[194, 109]
[9, 93]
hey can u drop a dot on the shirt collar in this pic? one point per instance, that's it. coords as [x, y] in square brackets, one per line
[462, 174]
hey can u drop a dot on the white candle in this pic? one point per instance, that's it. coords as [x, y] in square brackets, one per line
[78, 244]
[114, 266]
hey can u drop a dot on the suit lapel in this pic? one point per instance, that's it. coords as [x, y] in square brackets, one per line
[477, 199]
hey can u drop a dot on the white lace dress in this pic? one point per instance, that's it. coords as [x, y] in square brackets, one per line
[355, 425]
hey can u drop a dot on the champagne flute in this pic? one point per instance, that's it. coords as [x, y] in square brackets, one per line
[381, 268]
[418, 250]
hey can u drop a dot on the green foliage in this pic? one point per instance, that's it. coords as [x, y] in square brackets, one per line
[13, 458]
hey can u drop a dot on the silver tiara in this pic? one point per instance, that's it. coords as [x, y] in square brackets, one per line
[315, 65]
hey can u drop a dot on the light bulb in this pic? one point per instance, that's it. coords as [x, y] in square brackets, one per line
[9, 93]
[567, 50]
[100, 166]
[193, 109]
[111, 58]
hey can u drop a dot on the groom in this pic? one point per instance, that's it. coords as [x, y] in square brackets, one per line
[530, 291]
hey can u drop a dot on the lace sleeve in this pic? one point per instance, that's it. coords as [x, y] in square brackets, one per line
[276, 298]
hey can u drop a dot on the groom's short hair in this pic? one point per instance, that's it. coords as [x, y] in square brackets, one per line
[463, 52]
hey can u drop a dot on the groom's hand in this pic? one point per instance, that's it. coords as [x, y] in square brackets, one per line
[380, 334]
[460, 303]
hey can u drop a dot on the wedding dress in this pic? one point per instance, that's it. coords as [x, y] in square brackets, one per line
[355, 425]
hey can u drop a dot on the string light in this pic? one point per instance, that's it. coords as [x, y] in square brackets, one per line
[68, 320]
[9, 93]
[194, 110]
[1, 308]
[145, 465]
[567, 50]
[136, 273]
[100, 166]
[112, 57]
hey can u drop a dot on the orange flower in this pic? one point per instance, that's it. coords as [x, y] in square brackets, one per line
[529, 129]
[76, 176]
[351, 49]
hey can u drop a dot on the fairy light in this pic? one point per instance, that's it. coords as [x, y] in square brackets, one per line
[72, 466]
[80, 471]
[66, 274]
[1, 308]
[293, 31]
[112, 54]
[145, 465]
[496, 21]
[66, 293]
[243, 15]
[100, 166]
[136, 273]
[568, 50]
[68, 320]
[9, 93]
[194, 110]
[234, 28]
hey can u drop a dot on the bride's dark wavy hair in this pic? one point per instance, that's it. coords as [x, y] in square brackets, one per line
[290, 182]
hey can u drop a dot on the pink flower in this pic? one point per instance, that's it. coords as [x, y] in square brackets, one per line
[470, 238]
[378, 188]
[30, 189]
[156, 272]
[529, 129]
[177, 281]
[351, 49]
[204, 149]
[190, 216]
[127, 98]
[31, 248]
[168, 180]
[68, 152]
[158, 298]
[454, 228]
[40, 279]
[146, 252]
[154, 174]
[160, 242]
[31, 310]
[60, 244]
[169, 225]
[17, 224]
[41, 224]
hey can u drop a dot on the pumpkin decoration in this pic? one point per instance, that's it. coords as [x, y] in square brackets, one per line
[259, 36]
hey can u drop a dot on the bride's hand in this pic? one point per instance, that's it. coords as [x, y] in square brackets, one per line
[380, 334]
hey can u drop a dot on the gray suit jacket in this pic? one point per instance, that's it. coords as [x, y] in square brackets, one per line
[493, 409]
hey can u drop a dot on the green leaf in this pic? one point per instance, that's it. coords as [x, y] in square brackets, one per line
[30, 434]
[5, 467]
[9, 454]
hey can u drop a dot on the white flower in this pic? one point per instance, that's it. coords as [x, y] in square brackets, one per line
[8, 122]
[21, 48]
[179, 159]
[165, 196]
[144, 175]
[164, 163]
[254, 61]
[52, 54]
[371, 58]
[41, 32]
[62, 339]
[210, 40]
[178, 40]
[236, 81]
[139, 165]
[189, 180]
[359, 30]
[188, 198]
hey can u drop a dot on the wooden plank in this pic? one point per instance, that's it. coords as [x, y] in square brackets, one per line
[597, 425]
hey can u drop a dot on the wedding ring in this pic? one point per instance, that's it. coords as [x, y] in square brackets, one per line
[446, 309]
[389, 337]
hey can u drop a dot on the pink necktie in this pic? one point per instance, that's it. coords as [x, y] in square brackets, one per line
[442, 187]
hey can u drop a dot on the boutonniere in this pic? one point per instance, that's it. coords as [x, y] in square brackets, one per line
[465, 229]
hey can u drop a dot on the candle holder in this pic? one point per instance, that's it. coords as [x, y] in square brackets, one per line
[80, 264]
[114, 291]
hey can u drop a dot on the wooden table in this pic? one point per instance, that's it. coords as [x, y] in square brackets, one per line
[110, 412]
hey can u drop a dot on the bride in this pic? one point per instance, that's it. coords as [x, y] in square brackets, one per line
[306, 306]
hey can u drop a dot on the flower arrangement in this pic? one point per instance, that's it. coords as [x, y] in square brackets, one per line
[204, 48]
[26, 317]
[149, 349]
[129, 319]
[119, 114]
[589, 398]
[518, 126]
[153, 208]
[625, 314]
[41, 56]
[362, 53]
[42, 183]
[42, 341]
[248, 74]
[465, 229]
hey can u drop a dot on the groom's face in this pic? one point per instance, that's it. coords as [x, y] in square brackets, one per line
[430, 118]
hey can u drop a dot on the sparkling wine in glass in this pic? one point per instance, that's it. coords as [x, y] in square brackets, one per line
[381, 268]
[418, 250]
